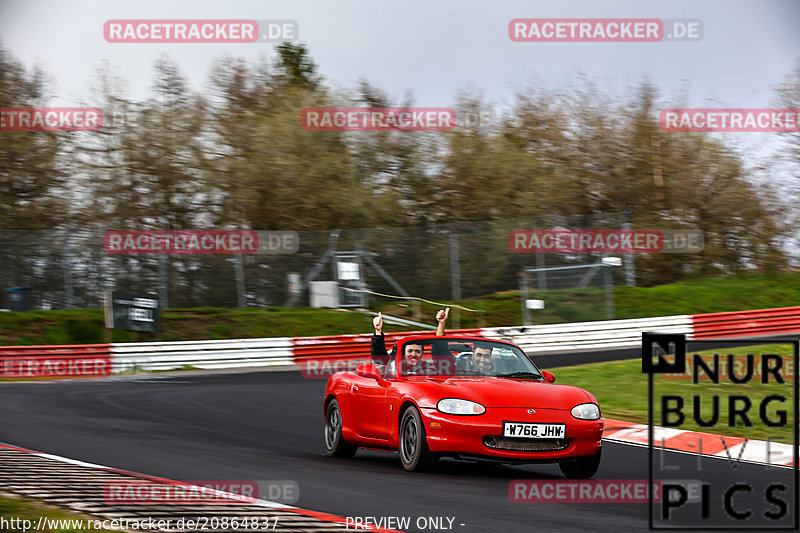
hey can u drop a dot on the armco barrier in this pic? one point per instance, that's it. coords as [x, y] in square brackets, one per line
[33, 361]
[234, 353]
[273, 351]
[588, 336]
[747, 323]
[289, 352]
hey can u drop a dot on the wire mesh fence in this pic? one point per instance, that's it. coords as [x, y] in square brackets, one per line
[71, 268]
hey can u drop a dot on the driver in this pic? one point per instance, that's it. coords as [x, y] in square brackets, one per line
[482, 359]
[480, 362]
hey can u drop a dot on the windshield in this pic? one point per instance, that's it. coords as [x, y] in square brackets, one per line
[462, 357]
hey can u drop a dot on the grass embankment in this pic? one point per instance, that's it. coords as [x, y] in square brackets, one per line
[621, 390]
[705, 295]
[85, 326]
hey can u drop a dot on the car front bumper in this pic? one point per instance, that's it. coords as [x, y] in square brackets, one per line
[482, 435]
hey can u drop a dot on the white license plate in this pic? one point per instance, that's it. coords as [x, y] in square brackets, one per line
[534, 431]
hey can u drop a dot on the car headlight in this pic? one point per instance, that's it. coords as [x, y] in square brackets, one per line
[586, 411]
[454, 406]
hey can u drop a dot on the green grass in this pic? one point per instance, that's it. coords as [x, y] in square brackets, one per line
[709, 295]
[705, 295]
[621, 390]
[16, 510]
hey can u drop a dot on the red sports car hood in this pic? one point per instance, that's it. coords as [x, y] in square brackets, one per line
[505, 392]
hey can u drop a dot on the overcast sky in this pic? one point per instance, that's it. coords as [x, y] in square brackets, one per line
[431, 48]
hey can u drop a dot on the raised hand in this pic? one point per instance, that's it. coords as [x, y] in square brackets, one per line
[441, 317]
[378, 323]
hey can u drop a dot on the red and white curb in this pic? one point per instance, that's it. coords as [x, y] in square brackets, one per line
[78, 485]
[732, 448]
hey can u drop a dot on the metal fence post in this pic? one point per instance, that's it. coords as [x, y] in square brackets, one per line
[163, 281]
[609, 282]
[541, 274]
[67, 274]
[630, 271]
[455, 275]
[523, 296]
[241, 297]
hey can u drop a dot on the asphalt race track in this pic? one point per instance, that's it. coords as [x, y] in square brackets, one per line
[268, 426]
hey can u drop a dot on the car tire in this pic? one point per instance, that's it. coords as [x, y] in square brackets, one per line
[335, 445]
[414, 452]
[582, 467]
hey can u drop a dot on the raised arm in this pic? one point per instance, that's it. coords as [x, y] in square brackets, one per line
[441, 317]
[377, 348]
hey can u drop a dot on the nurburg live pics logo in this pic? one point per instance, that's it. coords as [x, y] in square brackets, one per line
[751, 491]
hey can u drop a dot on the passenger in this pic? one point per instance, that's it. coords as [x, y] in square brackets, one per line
[413, 352]
[412, 362]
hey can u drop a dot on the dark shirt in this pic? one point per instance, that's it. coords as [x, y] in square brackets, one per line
[377, 349]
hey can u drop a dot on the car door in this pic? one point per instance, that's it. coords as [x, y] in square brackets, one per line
[371, 407]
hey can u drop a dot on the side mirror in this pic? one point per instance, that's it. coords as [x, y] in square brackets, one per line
[369, 370]
[548, 376]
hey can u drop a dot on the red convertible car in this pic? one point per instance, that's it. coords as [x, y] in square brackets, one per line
[463, 397]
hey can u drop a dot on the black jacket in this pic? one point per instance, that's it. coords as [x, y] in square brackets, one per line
[377, 349]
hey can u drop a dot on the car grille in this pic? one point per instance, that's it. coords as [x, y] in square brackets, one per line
[517, 444]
